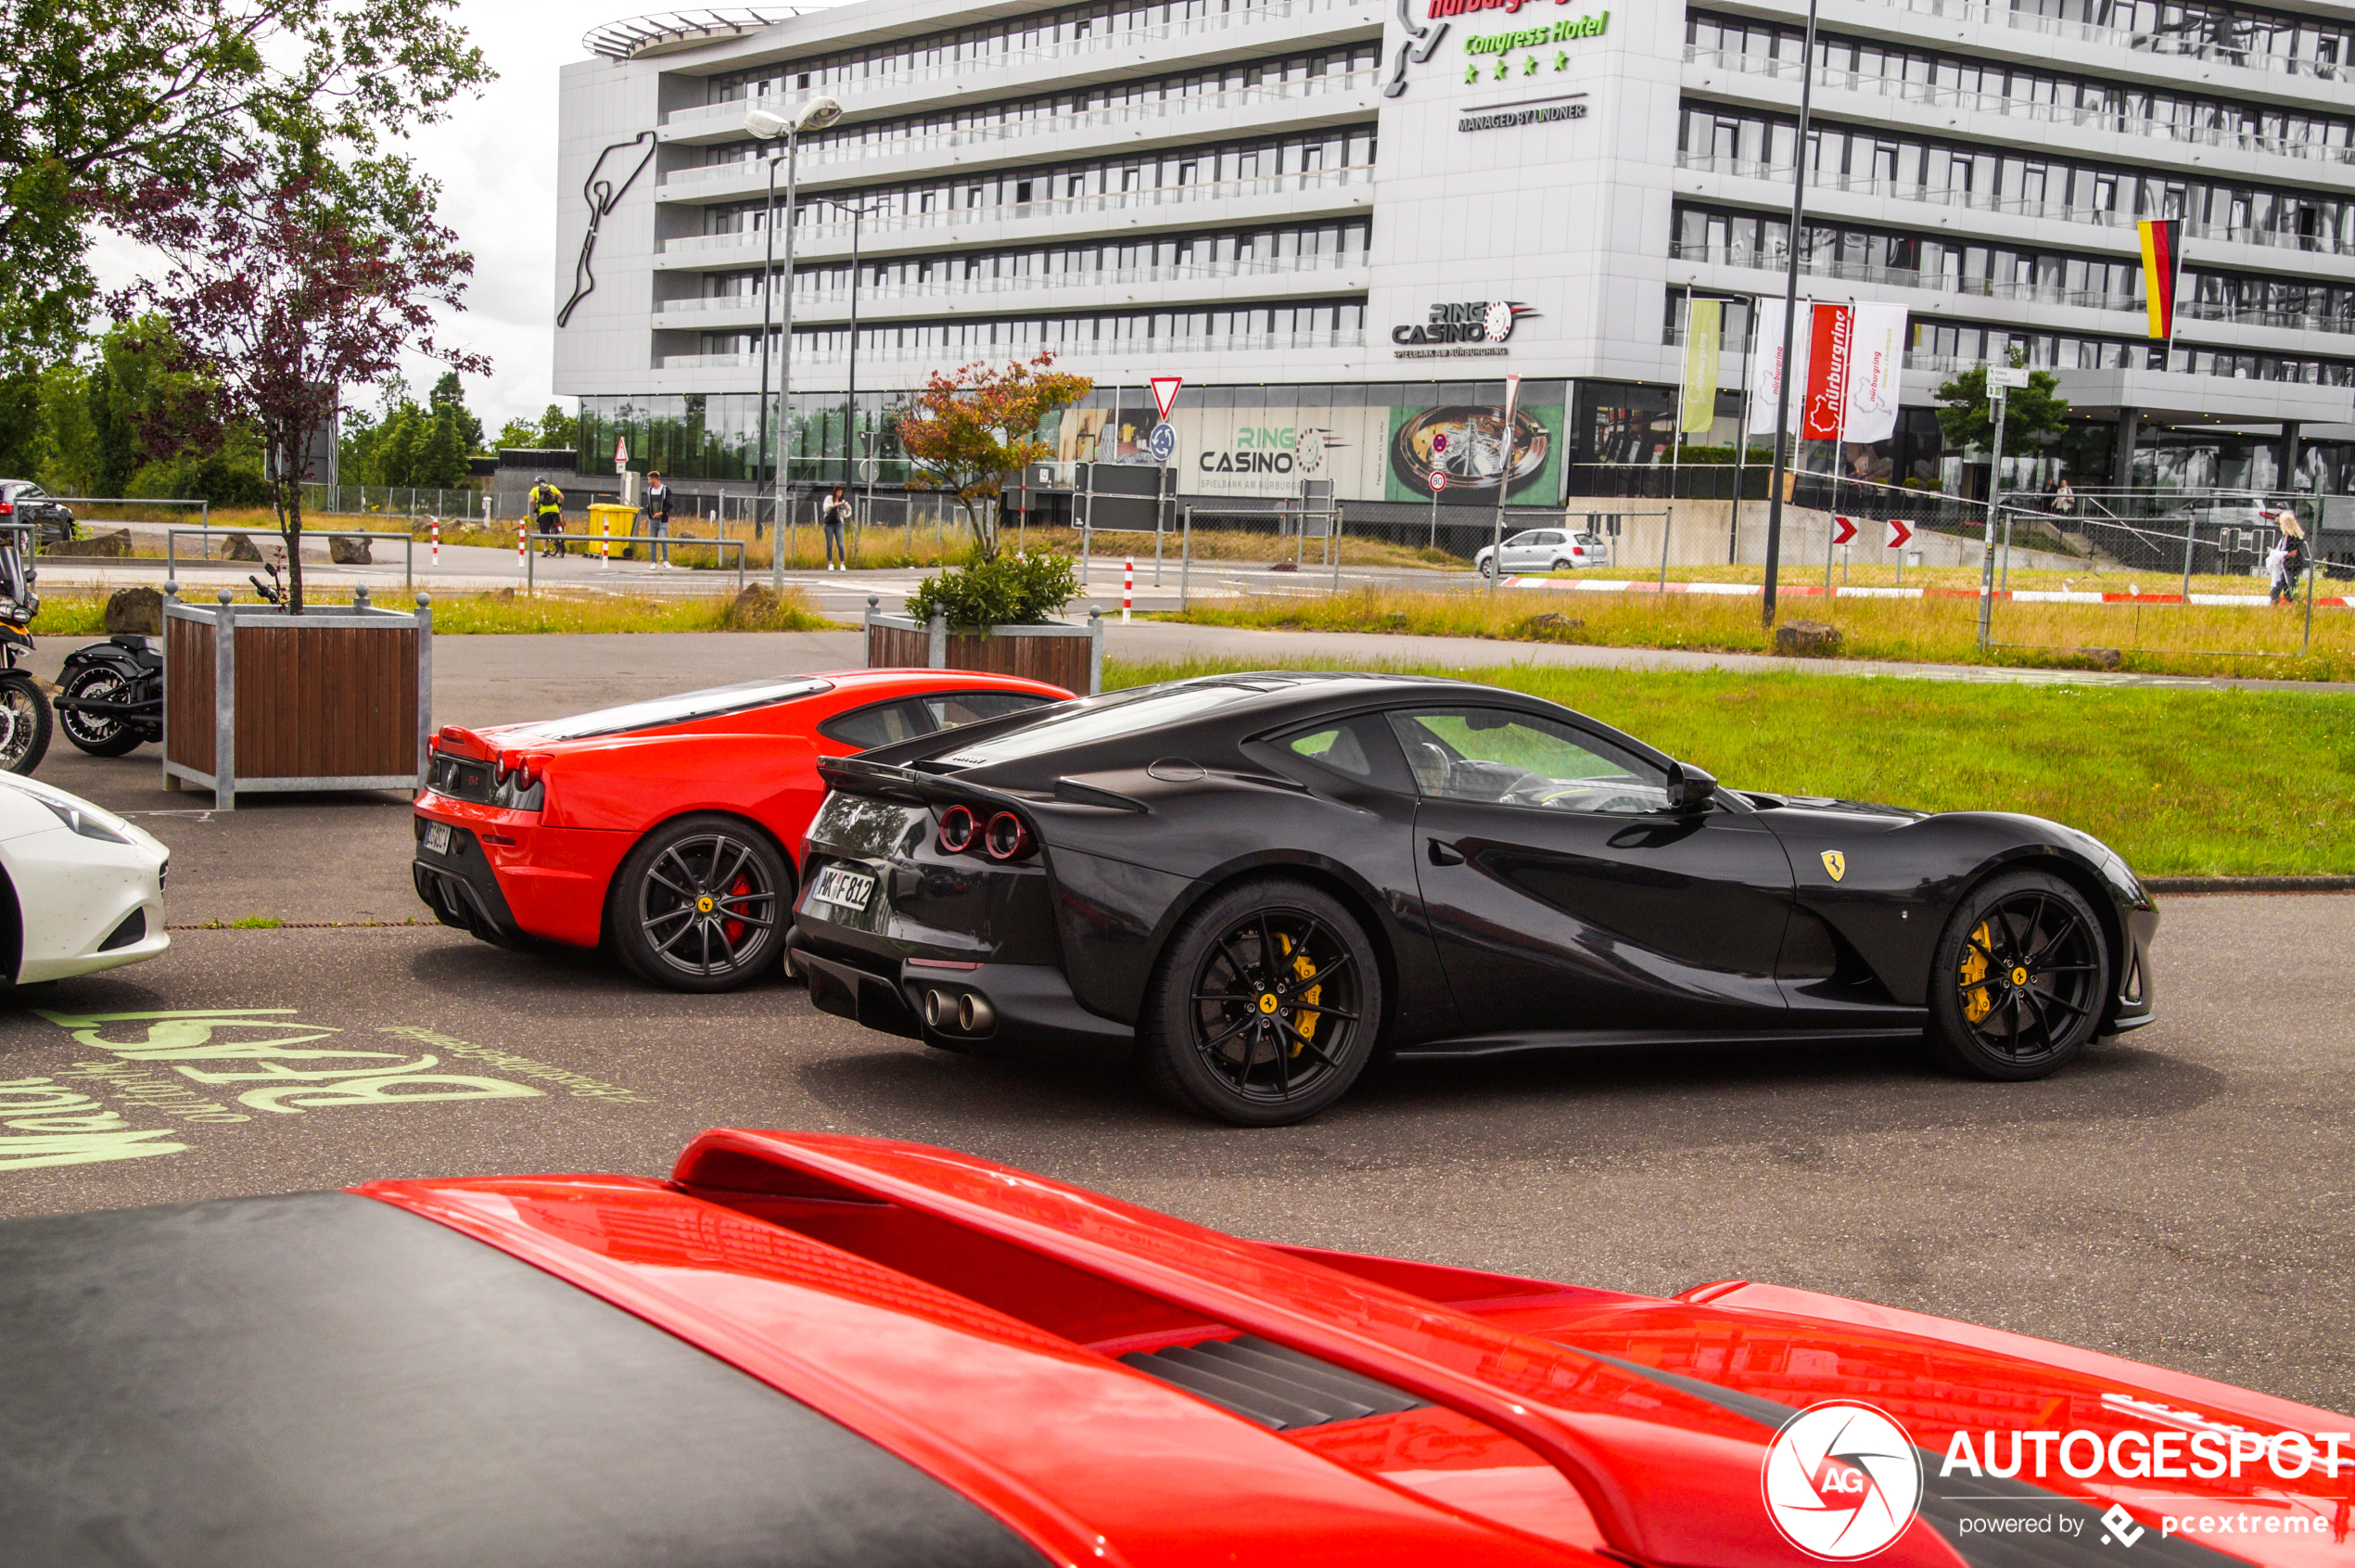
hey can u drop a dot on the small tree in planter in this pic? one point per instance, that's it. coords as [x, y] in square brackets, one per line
[1007, 591]
[972, 426]
[282, 288]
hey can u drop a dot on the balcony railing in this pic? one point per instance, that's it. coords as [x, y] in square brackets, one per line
[2215, 52]
[2022, 108]
[852, 149]
[1985, 288]
[805, 294]
[1099, 348]
[1984, 201]
[1154, 41]
[1109, 201]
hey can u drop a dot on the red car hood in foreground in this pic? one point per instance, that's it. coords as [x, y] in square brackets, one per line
[1120, 1387]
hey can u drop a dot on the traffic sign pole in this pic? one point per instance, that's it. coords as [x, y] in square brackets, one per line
[1994, 489]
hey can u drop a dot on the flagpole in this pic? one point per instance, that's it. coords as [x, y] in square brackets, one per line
[1791, 316]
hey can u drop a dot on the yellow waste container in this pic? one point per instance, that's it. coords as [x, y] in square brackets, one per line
[607, 521]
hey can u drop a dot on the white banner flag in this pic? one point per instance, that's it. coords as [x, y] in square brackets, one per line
[1875, 365]
[1766, 379]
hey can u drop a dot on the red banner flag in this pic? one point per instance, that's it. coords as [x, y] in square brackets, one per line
[1823, 413]
[2162, 262]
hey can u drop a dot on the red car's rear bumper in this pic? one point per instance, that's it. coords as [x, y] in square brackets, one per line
[506, 878]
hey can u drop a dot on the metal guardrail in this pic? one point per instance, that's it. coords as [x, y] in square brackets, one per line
[172, 536]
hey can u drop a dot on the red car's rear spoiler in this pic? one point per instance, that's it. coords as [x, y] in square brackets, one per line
[1670, 1478]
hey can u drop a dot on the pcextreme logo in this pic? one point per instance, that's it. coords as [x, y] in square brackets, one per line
[1841, 1481]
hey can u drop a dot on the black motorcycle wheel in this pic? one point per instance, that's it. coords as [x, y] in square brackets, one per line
[24, 723]
[702, 904]
[1265, 1006]
[2020, 977]
[98, 733]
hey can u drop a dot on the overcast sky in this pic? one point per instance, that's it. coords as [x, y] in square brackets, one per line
[496, 160]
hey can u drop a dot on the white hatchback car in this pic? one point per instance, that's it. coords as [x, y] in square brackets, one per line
[1547, 550]
[81, 890]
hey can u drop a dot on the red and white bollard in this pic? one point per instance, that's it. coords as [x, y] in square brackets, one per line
[437, 540]
[523, 532]
[1127, 586]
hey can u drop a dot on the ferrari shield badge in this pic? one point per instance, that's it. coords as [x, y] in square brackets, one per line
[1835, 863]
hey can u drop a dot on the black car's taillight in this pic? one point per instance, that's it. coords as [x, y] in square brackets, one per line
[1008, 837]
[959, 828]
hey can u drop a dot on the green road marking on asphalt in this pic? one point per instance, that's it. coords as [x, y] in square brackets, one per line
[216, 1067]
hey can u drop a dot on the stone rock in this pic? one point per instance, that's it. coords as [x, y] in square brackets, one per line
[2103, 659]
[135, 609]
[1553, 624]
[1807, 639]
[239, 547]
[115, 545]
[349, 550]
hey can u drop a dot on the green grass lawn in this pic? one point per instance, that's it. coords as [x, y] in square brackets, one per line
[2183, 782]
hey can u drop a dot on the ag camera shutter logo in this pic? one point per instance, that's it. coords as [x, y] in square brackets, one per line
[1841, 1481]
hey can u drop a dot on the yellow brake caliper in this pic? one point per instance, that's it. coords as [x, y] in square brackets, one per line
[1305, 970]
[1977, 1004]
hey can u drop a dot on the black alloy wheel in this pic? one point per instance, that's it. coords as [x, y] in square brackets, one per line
[24, 723]
[1266, 1007]
[2020, 978]
[701, 904]
[1564, 566]
[100, 735]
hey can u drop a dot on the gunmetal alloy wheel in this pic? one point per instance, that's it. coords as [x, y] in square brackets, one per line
[24, 723]
[1265, 1008]
[701, 904]
[2021, 978]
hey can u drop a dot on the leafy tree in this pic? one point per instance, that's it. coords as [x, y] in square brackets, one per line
[440, 460]
[21, 443]
[972, 426]
[277, 301]
[69, 462]
[559, 430]
[448, 392]
[102, 98]
[1968, 418]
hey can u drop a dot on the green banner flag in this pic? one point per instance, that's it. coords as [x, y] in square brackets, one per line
[1704, 326]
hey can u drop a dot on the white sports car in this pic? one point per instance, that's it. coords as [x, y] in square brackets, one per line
[81, 890]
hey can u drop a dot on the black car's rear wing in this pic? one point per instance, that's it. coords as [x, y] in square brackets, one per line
[886, 780]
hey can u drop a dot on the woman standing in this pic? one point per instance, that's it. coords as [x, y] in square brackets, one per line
[836, 513]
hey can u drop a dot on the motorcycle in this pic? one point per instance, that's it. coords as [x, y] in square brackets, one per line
[24, 708]
[110, 696]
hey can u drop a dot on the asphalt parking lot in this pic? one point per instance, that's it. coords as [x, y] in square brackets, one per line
[2180, 1196]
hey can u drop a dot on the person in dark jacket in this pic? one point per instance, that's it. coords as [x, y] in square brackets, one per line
[658, 513]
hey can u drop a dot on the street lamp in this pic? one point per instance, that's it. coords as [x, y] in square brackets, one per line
[814, 114]
[857, 211]
[1790, 322]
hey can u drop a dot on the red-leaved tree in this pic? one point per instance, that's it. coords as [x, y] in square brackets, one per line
[280, 290]
[972, 426]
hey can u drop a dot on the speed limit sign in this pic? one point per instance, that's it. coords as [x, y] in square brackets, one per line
[1438, 481]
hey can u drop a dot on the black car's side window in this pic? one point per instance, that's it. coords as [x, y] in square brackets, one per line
[1359, 749]
[1506, 758]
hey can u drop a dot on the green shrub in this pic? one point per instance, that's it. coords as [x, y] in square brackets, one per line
[1010, 590]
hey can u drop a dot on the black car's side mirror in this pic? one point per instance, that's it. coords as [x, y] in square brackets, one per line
[1689, 790]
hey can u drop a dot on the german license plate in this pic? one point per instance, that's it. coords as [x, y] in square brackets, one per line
[438, 837]
[851, 889]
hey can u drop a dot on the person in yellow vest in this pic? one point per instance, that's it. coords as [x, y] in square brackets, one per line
[547, 507]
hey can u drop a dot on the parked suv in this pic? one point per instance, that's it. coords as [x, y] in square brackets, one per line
[27, 501]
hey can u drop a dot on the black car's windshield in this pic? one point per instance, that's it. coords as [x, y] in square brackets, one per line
[658, 711]
[1080, 724]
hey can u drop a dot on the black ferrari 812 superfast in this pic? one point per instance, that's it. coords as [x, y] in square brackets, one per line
[1252, 884]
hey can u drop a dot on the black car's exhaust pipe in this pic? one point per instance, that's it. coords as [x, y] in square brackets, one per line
[961, 1011]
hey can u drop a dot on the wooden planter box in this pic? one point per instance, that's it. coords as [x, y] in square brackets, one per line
[1070, 657]
[257, 699]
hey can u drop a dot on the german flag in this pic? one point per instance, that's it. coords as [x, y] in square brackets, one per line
[2162, 262]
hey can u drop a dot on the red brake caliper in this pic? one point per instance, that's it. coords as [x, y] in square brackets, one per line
[735, 929]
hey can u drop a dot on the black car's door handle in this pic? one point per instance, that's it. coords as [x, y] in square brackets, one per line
[1443, 854]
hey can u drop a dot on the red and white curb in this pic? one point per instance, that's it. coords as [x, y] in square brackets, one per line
[1815, 591]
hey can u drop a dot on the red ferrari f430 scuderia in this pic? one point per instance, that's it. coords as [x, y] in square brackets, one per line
[670, 829]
